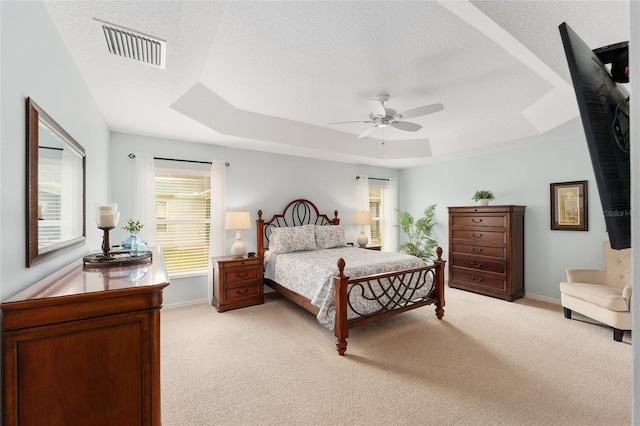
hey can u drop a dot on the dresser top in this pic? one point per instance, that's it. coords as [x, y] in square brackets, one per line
[487, 209]
[78, 279]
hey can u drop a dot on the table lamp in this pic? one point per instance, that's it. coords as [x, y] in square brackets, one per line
[362, 219]
[238, 221]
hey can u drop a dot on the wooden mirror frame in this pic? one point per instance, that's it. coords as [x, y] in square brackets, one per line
[35, 114]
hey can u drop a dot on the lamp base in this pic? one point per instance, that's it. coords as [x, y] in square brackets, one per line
[362, 240]
[238, 248]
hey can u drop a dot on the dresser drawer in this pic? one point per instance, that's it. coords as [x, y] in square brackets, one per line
[232, 293]
[478, 263]
[479, 236]
[499, 252]
[243, 274]
[476, 221]
[478, 279]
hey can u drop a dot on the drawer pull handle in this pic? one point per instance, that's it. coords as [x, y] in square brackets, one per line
[476, 265]
[476, 236]
[476, 221]
[475, 250]
[478, 279]
[242, 275]
[243, 290]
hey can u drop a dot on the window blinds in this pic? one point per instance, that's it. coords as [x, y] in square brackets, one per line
[183, 200]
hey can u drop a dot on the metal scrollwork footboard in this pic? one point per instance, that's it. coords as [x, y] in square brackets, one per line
[393, 292]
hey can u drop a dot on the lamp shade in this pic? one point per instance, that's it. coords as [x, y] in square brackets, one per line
[362, 218]
[237, 220]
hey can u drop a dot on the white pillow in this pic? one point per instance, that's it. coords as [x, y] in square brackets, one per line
[297, 238]
[330, 236]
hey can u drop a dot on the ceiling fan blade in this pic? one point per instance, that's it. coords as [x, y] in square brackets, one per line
[348, 122]
[405, 125]
[367, 132]
[420, 111]
[376, 107]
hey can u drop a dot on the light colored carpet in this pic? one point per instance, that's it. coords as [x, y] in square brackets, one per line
[488, 362]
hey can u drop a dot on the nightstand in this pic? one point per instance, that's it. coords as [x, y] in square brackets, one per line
[376, 248]
[237, 282]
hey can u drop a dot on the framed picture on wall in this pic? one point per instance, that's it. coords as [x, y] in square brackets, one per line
[569, 206]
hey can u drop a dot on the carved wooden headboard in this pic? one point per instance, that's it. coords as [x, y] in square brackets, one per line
[297, 213]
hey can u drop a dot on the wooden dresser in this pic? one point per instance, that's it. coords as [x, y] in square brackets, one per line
[486, 250]
[237, 282]
[83, 347]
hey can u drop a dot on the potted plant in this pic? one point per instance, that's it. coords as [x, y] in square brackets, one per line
[483, 196]
[420, 232]
[133, 244]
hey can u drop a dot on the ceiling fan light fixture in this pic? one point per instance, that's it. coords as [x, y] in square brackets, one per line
[383, 117]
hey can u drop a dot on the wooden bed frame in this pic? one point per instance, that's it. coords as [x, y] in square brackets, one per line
[303, 212]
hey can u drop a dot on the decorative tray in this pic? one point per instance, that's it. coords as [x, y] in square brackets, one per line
[116, 258]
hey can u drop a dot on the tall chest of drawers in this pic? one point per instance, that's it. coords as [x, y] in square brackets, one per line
[486, 250]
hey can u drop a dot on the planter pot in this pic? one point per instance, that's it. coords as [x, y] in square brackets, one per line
[483, 202]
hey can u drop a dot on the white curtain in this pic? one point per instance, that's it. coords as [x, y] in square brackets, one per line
[145, 197]
[217, 236]
[71, 192]
[363, 201]
[390, 238]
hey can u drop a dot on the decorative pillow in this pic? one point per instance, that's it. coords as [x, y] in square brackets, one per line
[297, 238]
[330, 236]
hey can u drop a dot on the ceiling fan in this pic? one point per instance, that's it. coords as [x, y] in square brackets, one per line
[383, 116]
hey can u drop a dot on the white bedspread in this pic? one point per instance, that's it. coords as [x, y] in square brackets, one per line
[310, 273]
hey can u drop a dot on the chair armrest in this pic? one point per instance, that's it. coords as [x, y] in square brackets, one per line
[626, 295]
[589, 276]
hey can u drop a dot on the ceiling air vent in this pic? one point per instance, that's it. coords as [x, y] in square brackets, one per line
[133, 45]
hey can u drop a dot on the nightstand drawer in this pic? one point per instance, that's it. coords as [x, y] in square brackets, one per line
[241, 262]
[243, 274]
[231, 293]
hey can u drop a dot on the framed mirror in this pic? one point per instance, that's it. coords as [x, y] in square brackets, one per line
[55, 187]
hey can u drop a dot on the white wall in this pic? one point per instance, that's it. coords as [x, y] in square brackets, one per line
[36, 64]
[254, 180]
[519, 176]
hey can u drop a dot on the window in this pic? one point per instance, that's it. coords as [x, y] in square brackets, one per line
[376, 206]
[183, 199]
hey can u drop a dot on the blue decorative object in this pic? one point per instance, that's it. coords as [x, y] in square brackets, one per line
[134, 244]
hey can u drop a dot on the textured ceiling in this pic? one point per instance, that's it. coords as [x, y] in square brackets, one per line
[271, 75]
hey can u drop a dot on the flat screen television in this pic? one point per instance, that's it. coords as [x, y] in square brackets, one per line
[604, 110]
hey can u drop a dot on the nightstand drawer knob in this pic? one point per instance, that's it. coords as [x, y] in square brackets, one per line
[476, 265]
[476, 235]
[476, 221]
[478, 279]
[475, 250]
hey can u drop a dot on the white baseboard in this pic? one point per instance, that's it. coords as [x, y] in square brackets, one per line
[187, 303]
[542, 298]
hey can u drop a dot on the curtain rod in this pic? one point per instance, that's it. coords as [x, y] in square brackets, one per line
[374, 178]
[227, 164]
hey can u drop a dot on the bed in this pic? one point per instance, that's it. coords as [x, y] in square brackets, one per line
[308, 261]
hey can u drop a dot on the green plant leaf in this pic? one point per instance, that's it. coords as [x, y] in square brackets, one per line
[419, 232]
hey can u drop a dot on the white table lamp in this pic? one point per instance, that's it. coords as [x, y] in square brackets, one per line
[362, 219]
[238, 221]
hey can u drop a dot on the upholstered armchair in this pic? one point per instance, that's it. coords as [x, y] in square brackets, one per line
[603, 295]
